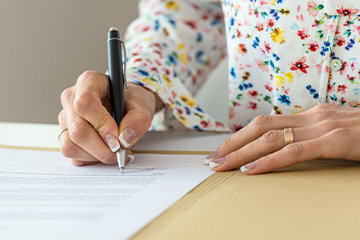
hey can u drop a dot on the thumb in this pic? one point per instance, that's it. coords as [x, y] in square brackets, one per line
[133, 126]
[140, 107]
[91, 103]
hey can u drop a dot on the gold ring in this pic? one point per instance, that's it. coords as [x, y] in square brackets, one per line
[63, 130]
[288, 136]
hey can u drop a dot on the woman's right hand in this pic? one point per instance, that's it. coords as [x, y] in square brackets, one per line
[92, 132]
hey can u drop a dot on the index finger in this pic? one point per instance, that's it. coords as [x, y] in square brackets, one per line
[92, 103]
[256, 128]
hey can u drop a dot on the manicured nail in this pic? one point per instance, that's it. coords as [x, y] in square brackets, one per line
[248, 166]
[112, 142]
[127, 137]
[129, 158]
[217, 162]
[211, 157]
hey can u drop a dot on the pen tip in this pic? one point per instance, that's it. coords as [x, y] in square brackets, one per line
[122, 170]
[113, 29]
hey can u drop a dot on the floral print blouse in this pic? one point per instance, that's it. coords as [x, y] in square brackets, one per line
[284, 56]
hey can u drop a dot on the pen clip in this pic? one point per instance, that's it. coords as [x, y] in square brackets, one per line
[124, 74]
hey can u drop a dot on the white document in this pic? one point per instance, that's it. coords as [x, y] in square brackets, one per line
[43, 196]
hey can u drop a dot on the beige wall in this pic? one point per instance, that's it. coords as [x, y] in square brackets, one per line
[45, 45]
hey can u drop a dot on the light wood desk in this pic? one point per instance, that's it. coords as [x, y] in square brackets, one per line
[314, 200]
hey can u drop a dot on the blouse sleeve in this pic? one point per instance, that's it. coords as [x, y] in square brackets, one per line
[172, 46]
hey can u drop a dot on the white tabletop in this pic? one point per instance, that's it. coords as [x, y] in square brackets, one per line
[45, 136]
[29, 135]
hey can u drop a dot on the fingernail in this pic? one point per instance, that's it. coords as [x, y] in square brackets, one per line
[211, 157]
[129, 158]
[217, 162]
[127, 137]
[248, 166]
[112, 142]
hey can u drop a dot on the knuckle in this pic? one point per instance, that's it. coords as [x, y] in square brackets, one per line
[230, 141]
[329, 125]
[321, 106]
[68, 149]
[83, 103]
[340, 133]
[66, 95]
[293, 149]
[321, 112]
[270, 137]
[270, 161]
[85, 76]
[260, 120]
[77, 132]
[318, 115]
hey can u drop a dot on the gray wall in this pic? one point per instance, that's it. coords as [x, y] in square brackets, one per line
[46, 45]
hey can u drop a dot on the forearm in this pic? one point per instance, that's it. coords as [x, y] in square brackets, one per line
[172, 47]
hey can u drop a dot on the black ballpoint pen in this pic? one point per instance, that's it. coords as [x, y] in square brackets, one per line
[116, 84]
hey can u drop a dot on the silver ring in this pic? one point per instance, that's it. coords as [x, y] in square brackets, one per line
[61, 132]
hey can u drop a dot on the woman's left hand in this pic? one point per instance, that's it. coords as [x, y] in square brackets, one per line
[324, 131]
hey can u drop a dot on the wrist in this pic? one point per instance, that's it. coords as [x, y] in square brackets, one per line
[153, 101]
